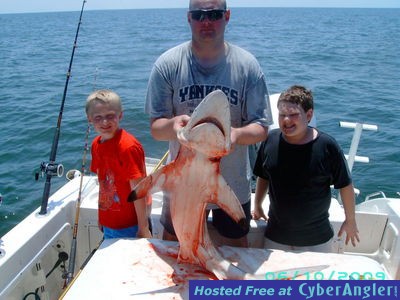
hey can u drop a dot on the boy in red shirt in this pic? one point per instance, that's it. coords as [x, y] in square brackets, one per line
[119, 162]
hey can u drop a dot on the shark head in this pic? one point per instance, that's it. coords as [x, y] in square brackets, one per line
[209, 128]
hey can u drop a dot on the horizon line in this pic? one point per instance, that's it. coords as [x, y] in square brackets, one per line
[180, 7]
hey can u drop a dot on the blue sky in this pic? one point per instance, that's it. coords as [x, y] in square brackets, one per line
[18, 6]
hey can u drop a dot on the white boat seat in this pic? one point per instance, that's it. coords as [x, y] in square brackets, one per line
[371, 226]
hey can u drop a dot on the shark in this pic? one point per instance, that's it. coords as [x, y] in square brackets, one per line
[193, 180]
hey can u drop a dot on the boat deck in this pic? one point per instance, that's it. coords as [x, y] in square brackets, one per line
[141, 269]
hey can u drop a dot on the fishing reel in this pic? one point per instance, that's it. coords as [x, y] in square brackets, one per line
[52, 169]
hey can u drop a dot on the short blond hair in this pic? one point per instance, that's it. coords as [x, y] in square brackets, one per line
[105, 97]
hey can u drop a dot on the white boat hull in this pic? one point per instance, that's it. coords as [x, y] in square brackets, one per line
[30, 250]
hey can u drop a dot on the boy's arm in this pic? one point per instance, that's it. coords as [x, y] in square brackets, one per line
[261, 192]
[349, 225]
[141, 213]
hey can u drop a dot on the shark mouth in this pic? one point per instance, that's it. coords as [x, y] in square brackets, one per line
[213, 121]
[209, 128]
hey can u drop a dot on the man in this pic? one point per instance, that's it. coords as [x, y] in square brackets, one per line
[184, 75]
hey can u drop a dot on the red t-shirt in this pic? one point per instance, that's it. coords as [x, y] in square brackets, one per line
[116, 161]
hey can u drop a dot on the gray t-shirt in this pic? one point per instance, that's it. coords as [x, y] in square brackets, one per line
[178, 83]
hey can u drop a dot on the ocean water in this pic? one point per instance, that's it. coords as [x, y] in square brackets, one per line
[348, 57]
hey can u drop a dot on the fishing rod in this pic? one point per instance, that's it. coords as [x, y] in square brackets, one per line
[52, 168]
[161, 161]
[72, 254]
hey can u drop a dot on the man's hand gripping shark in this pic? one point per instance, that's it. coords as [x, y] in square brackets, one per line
[193, 180]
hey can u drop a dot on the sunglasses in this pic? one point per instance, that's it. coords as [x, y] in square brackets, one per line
[211, 15]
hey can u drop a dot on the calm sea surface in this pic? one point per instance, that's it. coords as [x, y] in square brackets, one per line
[350, 58]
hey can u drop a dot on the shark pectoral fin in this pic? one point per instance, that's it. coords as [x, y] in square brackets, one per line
[228, 201]
[148, 185]
[244, 224]
[132, 196]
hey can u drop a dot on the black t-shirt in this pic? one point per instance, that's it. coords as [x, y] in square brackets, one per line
[299, 187]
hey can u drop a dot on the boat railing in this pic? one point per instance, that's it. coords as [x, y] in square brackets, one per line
[375, 195]
[358, 128]
[352, 156]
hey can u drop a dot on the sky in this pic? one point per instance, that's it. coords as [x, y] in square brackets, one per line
[22, 6]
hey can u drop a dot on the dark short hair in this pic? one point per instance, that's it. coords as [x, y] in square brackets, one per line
[298, 94]
[222, 3]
